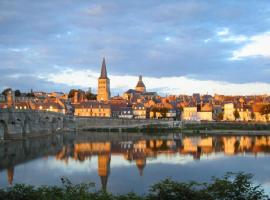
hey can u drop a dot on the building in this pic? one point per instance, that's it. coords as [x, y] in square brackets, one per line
[229, 112]
[104, 161]
[131, 95]
[206, 112]
[45, 106]
[104, 93]
[92, 109]
[140, 87]
[139, 111]
[126, 113]
[245, 113]
[190, 113]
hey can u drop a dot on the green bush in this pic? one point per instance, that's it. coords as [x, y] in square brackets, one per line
[238, 186]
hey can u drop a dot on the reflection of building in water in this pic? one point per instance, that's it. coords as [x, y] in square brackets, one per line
[229, 145]
[197, 146]
[85, 150]
[104, 168]
[64, 154]
[245, 143]
[139, 151]
[10, 175]
[261, 144]
[190, 145]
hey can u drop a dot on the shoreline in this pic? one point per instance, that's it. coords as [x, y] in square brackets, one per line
[228, 132]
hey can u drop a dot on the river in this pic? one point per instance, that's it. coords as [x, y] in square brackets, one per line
[124, 162]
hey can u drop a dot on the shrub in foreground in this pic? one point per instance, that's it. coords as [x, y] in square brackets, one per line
[231, 186]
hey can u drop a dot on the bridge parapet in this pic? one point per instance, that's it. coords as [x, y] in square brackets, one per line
[16, 123]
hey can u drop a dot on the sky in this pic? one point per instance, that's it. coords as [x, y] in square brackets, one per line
[180, 47]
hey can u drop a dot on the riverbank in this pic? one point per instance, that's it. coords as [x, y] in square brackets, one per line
[227, 132]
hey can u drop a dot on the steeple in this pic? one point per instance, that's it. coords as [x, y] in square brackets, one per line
[140, 87]
[103, 73]
[104, 93]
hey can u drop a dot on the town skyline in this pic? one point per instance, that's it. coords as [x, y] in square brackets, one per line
[211, 47]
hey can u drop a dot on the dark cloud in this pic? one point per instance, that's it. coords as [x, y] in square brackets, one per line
[154, 38]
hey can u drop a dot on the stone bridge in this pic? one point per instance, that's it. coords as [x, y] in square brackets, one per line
[20, 123]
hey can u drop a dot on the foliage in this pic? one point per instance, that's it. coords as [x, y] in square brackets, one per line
[90, 96]
[253, 116]
[5, 91]
[227, 126]
[71, 93]
[238, 186]
[17, 93]
[169, 189]
[265, 109]
[30, 94]
[236, 114]
[220, 116]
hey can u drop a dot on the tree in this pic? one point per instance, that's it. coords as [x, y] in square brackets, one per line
[220, 116]
[154, 110]
[30, 94]
[253, 116]
[267, 117]
[71, 93]
[5, 91]
[236, 114]
[17, 93]
[90, 96]
[163, 112]
[265, 109]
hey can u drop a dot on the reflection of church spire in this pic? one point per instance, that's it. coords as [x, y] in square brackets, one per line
[141, 164]
[104, 168]
[10, 174]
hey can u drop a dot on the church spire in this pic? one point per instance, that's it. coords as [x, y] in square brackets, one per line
[103, 73]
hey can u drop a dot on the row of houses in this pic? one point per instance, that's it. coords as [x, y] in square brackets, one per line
[142, 105]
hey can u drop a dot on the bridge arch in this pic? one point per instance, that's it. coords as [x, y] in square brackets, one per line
[3, 130]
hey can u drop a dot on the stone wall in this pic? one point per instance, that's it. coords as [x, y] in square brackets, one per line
[95, 122]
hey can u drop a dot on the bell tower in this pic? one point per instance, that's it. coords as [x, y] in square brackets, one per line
[104, 93]
[140, 87]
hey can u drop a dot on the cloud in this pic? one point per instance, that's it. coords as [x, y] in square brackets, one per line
[225, 35]
[259, 45]
[223, 32]
[163, 85]
[153, 38]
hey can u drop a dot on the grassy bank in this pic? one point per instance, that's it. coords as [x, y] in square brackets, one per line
[227, 126]
[232, 186]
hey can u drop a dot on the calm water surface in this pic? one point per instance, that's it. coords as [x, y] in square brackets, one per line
[122, 162]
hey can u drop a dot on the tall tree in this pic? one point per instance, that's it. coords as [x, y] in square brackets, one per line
[5, 91]
[17, 93]
[253, 116]
[236, 114]
[90, 96]
[71, 93]
[265, 109]
[220, 116]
